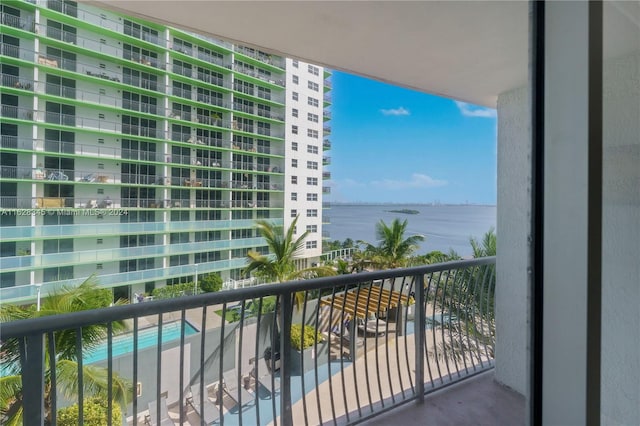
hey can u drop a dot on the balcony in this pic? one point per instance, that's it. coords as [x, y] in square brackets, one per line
[261, 76]
[275, 61]
[385, 338]
[326, 160]
[326, 145]
[16, 21]
[9, 80]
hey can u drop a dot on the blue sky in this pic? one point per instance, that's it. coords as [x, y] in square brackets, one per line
[391, 144]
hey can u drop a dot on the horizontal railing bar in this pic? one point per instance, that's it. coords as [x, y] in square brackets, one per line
[33, 326]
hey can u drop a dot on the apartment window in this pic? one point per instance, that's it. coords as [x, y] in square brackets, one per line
[313, 101]
[214, 98]
[294, 162]
[313, 165]
[312, 213]
[264, 93]
[67, 7]
[294, 96]
[311, 244]
[60, 86]
[61, 31]
[294, 212]
[295, 79]
[294, 130]
[140, 31]
[295, 63]
[65, 60]
[312, 196]
[312, 149]
[294, 146]
[137, 54]
[294, 196]
[138, 126]
[182, 46]
[57, 274]
[294, 180]
[312, 133]
[314, 70]
[144, 80]
[294, 112]
[312, 117]
[210, 56]
[209, 76]
[182, 68]
[182, 90]
[61, 114]
[313, 86]
[312, 181]
[57, 246]
[136, 102]
[312, 228]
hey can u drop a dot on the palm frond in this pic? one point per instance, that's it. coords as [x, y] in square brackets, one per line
[11, 400]
[95, 382]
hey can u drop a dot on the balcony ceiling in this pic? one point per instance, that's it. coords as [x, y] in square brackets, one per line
[466, 50]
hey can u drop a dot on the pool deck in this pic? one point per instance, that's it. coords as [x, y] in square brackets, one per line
[479, 398]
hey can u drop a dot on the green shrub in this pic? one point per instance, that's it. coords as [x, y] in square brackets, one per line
[211, 283]
[94, 412]
[171, 291]
[311, 336]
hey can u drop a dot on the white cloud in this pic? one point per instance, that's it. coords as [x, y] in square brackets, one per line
[395, 111]
[417, 180]
[469, 110]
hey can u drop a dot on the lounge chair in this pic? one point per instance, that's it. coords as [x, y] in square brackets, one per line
[209, 411]
[232, 388]
[263, 375]
[163, 419]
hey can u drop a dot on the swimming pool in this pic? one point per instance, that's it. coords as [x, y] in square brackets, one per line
[123, 343]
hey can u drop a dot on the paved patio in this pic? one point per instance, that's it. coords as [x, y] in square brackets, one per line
[475, 401]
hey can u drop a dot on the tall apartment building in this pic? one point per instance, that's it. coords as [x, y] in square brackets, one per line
[143, 153]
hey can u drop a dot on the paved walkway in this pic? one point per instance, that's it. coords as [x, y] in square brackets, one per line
[383, 372]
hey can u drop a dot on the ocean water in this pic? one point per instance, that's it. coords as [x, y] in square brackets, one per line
[444, 226]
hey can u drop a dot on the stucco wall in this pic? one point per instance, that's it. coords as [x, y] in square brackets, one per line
[513, 219]
[621, 241]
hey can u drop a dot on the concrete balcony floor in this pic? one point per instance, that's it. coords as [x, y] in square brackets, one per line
[475, 401]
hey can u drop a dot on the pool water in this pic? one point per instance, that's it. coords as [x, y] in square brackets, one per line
[122, 344]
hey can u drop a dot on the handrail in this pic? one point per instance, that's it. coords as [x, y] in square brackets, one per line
[452, 334]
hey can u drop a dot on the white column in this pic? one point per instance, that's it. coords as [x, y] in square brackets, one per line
[513, 225]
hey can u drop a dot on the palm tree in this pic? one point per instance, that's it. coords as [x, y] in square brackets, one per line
[280, 265]
[87, 295]
[394, 249]
[488, 245]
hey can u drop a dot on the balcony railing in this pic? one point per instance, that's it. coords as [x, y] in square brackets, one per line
[16, 82]
[275, 61]
[377, 340]
[159, 227]
[14, 51]
[16, 21]
[253, 73]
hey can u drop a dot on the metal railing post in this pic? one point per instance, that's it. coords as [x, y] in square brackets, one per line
[286, 311]
[419, 325]
[32, 348]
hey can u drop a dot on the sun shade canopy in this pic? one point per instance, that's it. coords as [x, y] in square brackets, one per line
[364, 302]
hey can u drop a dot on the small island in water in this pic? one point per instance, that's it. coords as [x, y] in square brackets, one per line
[404, 211]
